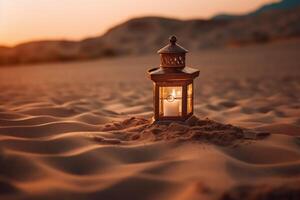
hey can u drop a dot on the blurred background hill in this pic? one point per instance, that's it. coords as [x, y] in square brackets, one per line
[276, 21]
[281, 5]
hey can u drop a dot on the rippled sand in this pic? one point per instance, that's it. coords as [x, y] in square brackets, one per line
[54, 144]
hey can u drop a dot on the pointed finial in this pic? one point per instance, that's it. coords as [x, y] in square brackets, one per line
[173, 40]
[172, 47]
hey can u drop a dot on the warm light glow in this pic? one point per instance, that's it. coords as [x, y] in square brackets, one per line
[190, 98]
[171, 101]
[173, 93]
[24, 20]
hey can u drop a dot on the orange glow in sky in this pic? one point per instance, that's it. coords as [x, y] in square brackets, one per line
[26, 20]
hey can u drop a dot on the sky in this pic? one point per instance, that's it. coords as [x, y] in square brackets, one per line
[27, 20]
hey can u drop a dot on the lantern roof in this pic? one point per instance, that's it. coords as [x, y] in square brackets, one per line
[161, 74]
[172, 47]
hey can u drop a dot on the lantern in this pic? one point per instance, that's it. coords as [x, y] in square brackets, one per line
[173, 84]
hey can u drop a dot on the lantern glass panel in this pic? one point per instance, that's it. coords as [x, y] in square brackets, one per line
[170, 101]
[190, 98]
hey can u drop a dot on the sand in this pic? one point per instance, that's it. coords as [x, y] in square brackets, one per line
[81, 130]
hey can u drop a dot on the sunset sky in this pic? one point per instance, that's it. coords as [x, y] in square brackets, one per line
[26, 20]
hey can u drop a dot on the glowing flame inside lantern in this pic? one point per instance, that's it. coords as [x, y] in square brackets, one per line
[171, 104]
[172, 96]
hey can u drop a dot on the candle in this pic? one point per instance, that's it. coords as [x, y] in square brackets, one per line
[171, 108]
[171, 105]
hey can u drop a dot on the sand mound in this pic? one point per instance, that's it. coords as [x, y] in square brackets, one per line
[194, 129]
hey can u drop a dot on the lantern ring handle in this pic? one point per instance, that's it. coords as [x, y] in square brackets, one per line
[170, 98]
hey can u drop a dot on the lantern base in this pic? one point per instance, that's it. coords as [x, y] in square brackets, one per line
[168, 121]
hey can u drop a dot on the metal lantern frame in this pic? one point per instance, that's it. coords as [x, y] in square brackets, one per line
[173, 73]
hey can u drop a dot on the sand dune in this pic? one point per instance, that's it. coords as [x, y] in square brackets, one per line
[81, 130]
[145, 35]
